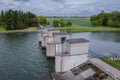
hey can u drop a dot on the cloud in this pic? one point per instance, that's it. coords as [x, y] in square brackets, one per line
[58, 0]
[61, 7]
[2, 3]
[22, 0]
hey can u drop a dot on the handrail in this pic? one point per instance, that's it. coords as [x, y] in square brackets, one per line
[95, 54]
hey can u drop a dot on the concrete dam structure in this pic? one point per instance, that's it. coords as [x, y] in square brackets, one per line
[72, 58]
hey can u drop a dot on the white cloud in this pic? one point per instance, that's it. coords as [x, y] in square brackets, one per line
[61, 7]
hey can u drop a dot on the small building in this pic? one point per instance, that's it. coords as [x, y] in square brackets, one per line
[45, 35]
[77, 46]
[49, 37]
[60, 38]
[55, 46]
[51, 31]
[42, 33]
[51, 49]
[76, 53]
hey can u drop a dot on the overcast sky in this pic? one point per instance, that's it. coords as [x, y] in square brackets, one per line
[61, 7]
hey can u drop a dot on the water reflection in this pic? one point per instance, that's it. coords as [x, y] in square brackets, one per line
[106, 36]
[103, 42]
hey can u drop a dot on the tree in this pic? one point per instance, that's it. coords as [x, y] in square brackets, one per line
[12, 20]
[106, 19]
[55, 23]
[61, 23]
[68, 24]
[33, 22]
[42, 20]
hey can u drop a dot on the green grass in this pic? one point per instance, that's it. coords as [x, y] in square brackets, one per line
[31, 29]
[2, 29]
[115, 64]
[86, 29]
[82, 25]
[75, 21]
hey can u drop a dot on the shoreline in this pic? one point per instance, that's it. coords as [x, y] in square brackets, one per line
[69, 29]
[18, 31]
[36, 31]
[88, 29]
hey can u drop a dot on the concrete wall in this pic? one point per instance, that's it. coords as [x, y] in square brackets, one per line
[43, 41]
[67, 47]
[39, 36]
[58, 48]
[50, 33]
[78, 48]
[50, 50]
[49, 37]
[58, 67]
[65, 63]
[57, 38]
[48, 40]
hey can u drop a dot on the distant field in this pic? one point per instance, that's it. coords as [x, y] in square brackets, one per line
[75, 21]
[115, 63]
[82, 25]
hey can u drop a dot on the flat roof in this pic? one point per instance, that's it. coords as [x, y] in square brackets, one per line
[60, 33]
[111, 71]
[52, 29]
[77, 40]
[48, 27]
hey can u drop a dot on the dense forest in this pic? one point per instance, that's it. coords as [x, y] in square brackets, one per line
[111, 19]
[12, 20]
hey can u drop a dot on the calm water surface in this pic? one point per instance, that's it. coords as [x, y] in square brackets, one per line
[102, 42]
[21, 58]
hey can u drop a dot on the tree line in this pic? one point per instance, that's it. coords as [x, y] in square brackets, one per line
[43, 20]
[56, 23]
[111, 19]
[61, 23]
[13, 19]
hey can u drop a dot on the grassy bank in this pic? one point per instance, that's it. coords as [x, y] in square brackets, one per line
[115, 64]
[82, 25]
[2, 30]
[87, 29]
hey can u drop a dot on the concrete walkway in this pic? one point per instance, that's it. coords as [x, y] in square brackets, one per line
[111, 71]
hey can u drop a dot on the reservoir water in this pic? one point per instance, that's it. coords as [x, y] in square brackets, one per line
[101, 42]
[21, 56]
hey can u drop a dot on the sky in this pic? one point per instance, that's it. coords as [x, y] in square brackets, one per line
[61, 7]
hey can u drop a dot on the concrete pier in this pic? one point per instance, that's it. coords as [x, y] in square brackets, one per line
[46, 35]
[72, 58]
[42, 30]
[73, 55]
[55, 46]
[49, 38]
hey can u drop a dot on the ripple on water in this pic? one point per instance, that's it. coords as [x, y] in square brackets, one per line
[21, 57]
